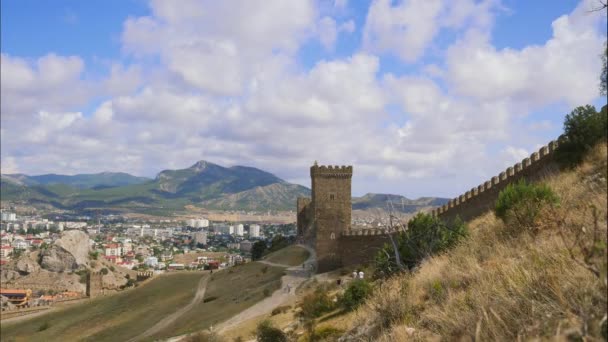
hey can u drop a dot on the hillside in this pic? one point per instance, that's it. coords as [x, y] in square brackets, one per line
[203, 184]
[505, 287]
[81, 181]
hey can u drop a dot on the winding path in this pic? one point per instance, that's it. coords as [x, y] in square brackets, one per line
[167, 321]
[295, 275]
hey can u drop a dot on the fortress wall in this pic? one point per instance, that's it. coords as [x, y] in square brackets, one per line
[360, 246]
[482, 198]
[303, 215]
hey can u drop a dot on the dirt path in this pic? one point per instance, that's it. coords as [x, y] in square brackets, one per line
[167, 321]
[295, 275]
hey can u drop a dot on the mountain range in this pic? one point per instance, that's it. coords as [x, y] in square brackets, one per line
[204, 185]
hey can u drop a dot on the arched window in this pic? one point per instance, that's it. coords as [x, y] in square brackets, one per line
[332, 236]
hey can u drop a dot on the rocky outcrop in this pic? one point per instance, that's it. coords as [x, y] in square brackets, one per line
[57, 259]
[76, 243]
[26, 265]
[68, 253]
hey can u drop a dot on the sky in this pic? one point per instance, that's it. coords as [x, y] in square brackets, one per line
[422, 97]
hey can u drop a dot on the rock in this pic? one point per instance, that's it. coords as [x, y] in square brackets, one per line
[57, 259]
[76, 243]
[26, 265]
[8, 275]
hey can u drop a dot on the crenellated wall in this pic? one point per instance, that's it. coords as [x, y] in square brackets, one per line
[483, 197]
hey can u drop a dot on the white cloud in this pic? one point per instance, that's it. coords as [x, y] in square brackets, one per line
[535, 75]
[407, 28]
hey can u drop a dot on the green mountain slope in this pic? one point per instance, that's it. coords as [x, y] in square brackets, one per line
[82, 181]
[400, 203]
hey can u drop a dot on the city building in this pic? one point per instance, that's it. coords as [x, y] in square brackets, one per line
[240, 230]
[254, 230]
[246, 246]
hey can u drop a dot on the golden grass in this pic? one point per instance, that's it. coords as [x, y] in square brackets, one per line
[291, 256]
[492, 288]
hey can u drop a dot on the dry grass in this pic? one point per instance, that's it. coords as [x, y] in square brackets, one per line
[491, 288]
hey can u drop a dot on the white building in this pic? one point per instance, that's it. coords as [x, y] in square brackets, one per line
[240, 230]
[7, 216]
[151, 261]
[254, 230]
[198, 223]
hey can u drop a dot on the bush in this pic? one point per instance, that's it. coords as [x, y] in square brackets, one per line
[315, 304]
[44, 326]
[584, 127]
[519, 206]
[94, 255]
[356, 293]
[209, 299]
[112, 268]
[426, 235]
[267, 292]
[265, 332]
[104, 271]
[280, 309]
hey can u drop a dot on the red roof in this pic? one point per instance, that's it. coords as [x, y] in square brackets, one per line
[110, 256]
[6, 247]
[112, 245]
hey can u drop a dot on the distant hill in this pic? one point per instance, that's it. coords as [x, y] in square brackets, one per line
[203, 184]
[400, 203]
[81, 181]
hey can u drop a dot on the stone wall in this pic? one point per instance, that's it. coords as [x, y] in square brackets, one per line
[482, 198]
[361, 246]
[304, 218]
[94, 284]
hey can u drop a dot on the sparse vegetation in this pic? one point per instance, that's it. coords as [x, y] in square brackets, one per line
[519, 206]
[535, 285]
[292, 256]
[138, 310]
[266, 332]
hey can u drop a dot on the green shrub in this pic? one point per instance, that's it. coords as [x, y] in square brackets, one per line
[266, 332]
[584, 127]
[112, 268]
[104, 271]
[519, 206]
[426, 235]
[44, 326]
[316, 303]
[94, 255]
[209, 299]
[280, 309]
[356, 293]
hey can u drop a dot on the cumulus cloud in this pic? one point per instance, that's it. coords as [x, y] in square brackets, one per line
[566, 67]
[223, 81]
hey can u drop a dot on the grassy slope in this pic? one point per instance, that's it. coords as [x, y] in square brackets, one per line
[492, 288]
[292, 256]
[235, 290]
[113, 318]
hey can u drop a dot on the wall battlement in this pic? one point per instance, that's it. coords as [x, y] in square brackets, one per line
[331, 171]
[369, 232]
[482, 197]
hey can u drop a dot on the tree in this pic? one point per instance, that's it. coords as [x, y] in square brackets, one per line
[426, 235]
[583, 128]
[257, 250]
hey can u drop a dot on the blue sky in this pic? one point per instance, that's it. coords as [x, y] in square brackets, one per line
[403, 90]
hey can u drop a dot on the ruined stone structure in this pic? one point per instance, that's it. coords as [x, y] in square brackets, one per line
[94, 284]
[482, 198]
[324, 221]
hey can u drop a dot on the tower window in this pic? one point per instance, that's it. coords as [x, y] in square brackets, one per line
[332, 196]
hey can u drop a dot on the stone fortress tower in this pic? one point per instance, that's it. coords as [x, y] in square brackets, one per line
[322, 219]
